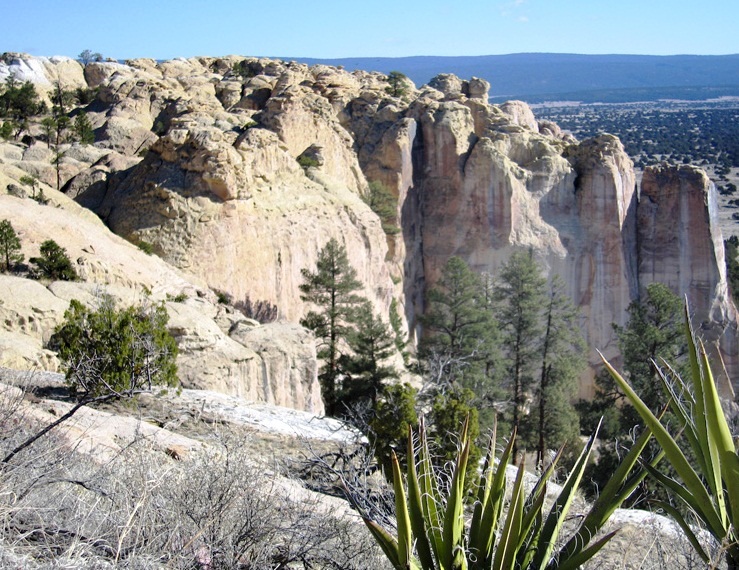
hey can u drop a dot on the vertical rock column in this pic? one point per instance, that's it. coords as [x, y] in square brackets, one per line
[680, 244]
[603, 263]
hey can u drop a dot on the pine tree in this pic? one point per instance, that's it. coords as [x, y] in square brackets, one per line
[54, 262]
[20, 101]
[459, 331]
[371, 343]
[10, 246]
[521, 295]
[562, 360]
[332, 289]
[83, 129]
[654, 331]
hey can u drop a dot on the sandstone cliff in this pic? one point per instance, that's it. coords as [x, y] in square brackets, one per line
[219, 348]
[250, 165]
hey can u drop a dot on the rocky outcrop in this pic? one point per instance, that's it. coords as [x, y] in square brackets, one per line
[681, 245]
[219, 348]
[250, 165]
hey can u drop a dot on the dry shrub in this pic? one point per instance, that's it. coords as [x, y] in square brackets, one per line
[216, 509]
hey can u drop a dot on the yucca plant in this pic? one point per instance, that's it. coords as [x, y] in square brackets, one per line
[710, 487]
[431, 529]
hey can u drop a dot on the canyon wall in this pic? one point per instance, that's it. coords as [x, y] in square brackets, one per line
[239, 170]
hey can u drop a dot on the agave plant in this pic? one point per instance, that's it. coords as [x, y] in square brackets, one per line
[431, 529]
[710, 487]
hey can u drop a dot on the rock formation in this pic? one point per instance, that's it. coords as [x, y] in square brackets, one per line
[219, 347]
[250, 165]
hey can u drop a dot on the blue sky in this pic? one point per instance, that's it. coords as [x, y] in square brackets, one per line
[331, 28]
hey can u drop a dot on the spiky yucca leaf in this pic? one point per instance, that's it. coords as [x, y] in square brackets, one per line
[454, 553]
[712, 493]
[418, 514]
[524, 538]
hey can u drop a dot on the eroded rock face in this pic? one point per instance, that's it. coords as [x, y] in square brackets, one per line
[274, 363]
[681, 245]
[220, 192]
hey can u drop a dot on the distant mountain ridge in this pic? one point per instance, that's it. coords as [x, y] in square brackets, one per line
[536, 77]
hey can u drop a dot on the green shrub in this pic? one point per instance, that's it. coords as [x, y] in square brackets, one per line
[384, 203]
[146, 247]
[394, 414]
[6, 130]
[119, 352]
[223, 297]
[54, 263]
[307, 161]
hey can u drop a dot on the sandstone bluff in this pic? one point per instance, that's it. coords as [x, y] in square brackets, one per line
[201, 163]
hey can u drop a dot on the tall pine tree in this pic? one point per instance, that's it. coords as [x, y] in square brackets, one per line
[521, 296]
[332, 289]
[460, 333]
[562, 359]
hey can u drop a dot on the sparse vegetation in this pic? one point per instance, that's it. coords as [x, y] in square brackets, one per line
[54, 263]
[384, 203]
[397, 84]
[10, 247]
[88, 56]
[307, 162]
[242, 69]
[701, 132]
[145, 246]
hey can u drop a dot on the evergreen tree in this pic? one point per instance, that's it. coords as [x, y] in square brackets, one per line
[83, 129]
[554, 417]
[397, 84]
[20, 101]
[654, 331]
[394, 412]
[459, 336]
[54, 262]
[371, 343]
[332, 289]
[10, 246]
[521, 295]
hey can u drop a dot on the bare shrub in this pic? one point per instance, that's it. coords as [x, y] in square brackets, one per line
[262, 311]
[215, 509]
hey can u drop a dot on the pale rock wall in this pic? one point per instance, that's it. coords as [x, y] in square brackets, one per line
[220, 194]
[273, 363]
[680, 244]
